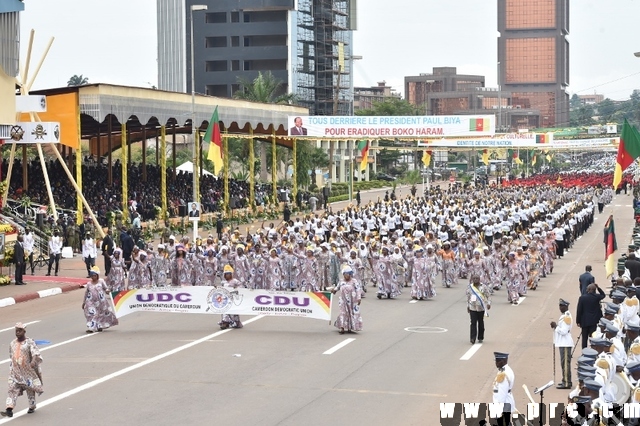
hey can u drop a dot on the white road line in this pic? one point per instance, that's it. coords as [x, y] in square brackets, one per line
[339, 346]
[126, 370]
[84, 336]
[414, 301]
[12, 328]
[472, 350]
[520, 300]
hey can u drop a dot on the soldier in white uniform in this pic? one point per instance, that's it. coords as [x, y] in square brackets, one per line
[617, 351]
[564, 342]
[502, 386]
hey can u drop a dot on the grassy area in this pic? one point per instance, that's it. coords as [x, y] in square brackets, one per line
[342, 188]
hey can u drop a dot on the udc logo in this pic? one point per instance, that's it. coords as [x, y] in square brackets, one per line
[220, 300]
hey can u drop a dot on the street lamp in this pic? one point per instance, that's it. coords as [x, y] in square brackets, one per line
[196, 192]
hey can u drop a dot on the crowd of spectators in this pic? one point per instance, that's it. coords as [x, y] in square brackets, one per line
[144, 195]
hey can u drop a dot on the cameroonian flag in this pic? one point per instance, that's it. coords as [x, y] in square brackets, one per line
[628, 151]
[535, 158]
[426, 157]
[485, 156]
[478, 124]
[548, 155]
[515, 157]
[363, 147]
[610, 245]
[212, 136]
[542, 138]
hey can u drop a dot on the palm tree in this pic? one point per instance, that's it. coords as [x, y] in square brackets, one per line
[267, 89]
[77, 80]
[264, 88]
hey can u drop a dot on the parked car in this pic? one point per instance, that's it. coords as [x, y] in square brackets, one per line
[384, 176]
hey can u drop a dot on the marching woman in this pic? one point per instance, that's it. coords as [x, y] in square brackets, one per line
[448, 256]
[421, 282]
[385, 272]
[230, 321]
[349, 298]
[159, 267]
[307, 271]
[210, 262]
[273, 274]
[516, 275]
[181, 268]
[96, 305]
[115, 278]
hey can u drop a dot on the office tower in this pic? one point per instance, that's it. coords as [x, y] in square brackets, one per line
[533, 58]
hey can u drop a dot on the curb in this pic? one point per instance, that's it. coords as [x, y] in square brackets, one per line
[8, 301]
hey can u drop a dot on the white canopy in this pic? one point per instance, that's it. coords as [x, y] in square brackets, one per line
[188, 167]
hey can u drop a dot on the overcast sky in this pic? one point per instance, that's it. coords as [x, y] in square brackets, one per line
[115, 41]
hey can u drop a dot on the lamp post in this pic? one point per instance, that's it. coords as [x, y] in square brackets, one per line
[499, 101]
[196, 192]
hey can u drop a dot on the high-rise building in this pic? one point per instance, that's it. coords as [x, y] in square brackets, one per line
[533, 57]
[306, 44]
[366, 97]
[443, 79]
[9, 62]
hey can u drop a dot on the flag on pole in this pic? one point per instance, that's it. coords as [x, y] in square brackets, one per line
[610, 245]
[426, 157]
[535, 158]
[485, 156]
[212, 136]
[628, 151]
[516, 158]
[363, 147]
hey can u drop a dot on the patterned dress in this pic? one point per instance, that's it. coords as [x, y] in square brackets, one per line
[210, 269]
[198, 274]
[97, 307]
[516, 276]
[478, 267]
[289, 271]
[449, 274]
[349, 296]
[535, 265]
[22, 376]
[180, 272]
[258, 268]
[307, 273]
[422, 281]
[231, 321]
[384, 269]
[159, 267]
[115, 280]
[273, 273]
[524, 266]
[242, 269]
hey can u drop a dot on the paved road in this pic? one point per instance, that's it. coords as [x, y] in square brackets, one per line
[170, 369]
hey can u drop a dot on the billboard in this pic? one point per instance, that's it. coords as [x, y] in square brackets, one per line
[390, 127]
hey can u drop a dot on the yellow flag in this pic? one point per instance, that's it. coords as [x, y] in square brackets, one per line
[485, 157]
[426, 158]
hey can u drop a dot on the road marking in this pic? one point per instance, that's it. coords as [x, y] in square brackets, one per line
[127, 369]
[414, 301]
[13, 328]
[628, 205]
[84, 336]
[426, 329]
[520, 300]
[472, 350]
[618, 205]
[339, 346]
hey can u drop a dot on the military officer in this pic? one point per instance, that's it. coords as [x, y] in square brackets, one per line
[564, 342]
[502, 386]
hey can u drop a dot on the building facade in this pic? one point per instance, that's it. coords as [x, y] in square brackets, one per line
[365, 97]
[306, 44]
[9, 62]
[442, 79]
[533, 57]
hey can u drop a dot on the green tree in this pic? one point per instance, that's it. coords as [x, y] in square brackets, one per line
[575, 101]
[77, 80]
[264, 88]
[606, 109]
[391, 106]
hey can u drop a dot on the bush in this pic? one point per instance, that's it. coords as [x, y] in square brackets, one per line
[337, 198]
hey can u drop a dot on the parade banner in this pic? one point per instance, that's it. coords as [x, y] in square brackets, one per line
[517, 140]
[376, 127]
[223, 300]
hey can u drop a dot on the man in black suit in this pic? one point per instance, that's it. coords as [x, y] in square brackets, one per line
[589, 311]
[298, 130]
[585, 279]
[127, 247]
[219, 227]
[18, 259]
[633, 265]
[194, 212]
[107, 251]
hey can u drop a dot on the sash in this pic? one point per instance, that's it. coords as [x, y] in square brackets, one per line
[479, 296]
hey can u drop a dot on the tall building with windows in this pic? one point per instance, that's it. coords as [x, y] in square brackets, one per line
[306, 44]
[533, 57]
[9, 62]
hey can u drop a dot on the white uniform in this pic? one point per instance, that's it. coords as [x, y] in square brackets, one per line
[562, 333]
[502, 385]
